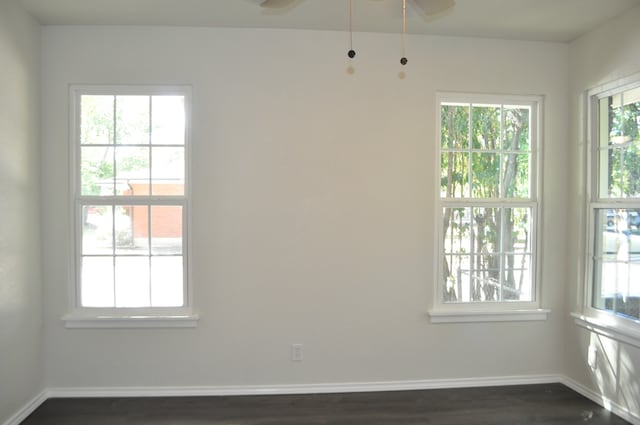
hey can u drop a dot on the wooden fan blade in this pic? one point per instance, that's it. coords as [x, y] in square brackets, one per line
[433, 7]
[275, 4]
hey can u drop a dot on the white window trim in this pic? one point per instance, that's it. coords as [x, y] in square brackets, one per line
[511, 311]
[495, 315]
[85, 317]
[607, 326]
[78, 321]
[603, 322]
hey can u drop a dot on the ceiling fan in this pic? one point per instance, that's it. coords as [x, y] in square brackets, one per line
[427, 7]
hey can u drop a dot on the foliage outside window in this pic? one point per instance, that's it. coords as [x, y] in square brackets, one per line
[488, 200]
[130, 198]
[615, 202]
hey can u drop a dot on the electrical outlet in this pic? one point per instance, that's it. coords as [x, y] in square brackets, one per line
[592, 357]
[297, 352]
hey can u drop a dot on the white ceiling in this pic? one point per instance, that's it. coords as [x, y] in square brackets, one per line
[541, 20]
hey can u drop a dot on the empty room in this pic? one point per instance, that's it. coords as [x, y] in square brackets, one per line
[319, 211]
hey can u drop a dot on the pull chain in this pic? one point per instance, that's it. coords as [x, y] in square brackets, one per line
[351, 53]
[404, 60]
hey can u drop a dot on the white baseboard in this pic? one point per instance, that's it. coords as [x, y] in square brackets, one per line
[430, 384]
[619, 410]
[348, 387]
[27, 409]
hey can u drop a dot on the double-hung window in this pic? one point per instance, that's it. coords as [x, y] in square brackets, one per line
[487, 216]
[130, 185]
[613, 276]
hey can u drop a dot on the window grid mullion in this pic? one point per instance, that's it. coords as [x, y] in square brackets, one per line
[149, 207]
[113, 206]
[501, 189]
[150, 242]
[472, 262]
[470, 154]
[114, 163]
[150, 140]
[502, 264]
[133, 200]
[113, 254]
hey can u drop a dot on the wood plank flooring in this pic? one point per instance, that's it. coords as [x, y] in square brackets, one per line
[547, 404]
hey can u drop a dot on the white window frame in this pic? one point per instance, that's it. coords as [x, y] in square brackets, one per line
[125, 317]
[500, 311]
[603, 322]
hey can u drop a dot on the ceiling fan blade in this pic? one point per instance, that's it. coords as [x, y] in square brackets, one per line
[433, 7]
[275, 4]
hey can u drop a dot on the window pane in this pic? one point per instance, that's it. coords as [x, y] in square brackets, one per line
[618, 291]
[454, 179]
[515, 176]
[623, 165]
[123, 228]
[137, 217]
[132, 171]
[97, 282]
[485, 267]
[96, 171]
[167, 281]
[516, 281]
[166, 230]
[168, 171]
[624, 116]
[516, 129]
[499, 267]
[485, 277]
[96, 119]
[457, 278]
[457, 226]
[132, 282]
[486, 175]
[517, 230]
[617, 261]
[619, 144]
[132, 120]
[168, 118]
[486, 127]
[631, 113]
[97, 230]
[455, 126]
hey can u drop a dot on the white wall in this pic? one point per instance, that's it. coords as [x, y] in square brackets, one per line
[313, 207]
[21, 371]
[602, 56]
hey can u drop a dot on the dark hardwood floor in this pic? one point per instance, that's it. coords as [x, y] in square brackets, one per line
[527, 404]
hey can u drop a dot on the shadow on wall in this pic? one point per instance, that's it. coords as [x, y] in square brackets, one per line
[614, 370]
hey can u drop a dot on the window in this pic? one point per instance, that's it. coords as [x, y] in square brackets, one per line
[130, 186]
[488, 204]
[614, 206]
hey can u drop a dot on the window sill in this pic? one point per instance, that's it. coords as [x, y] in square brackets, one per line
[448, 316]
[610, 328]
[130, 322]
